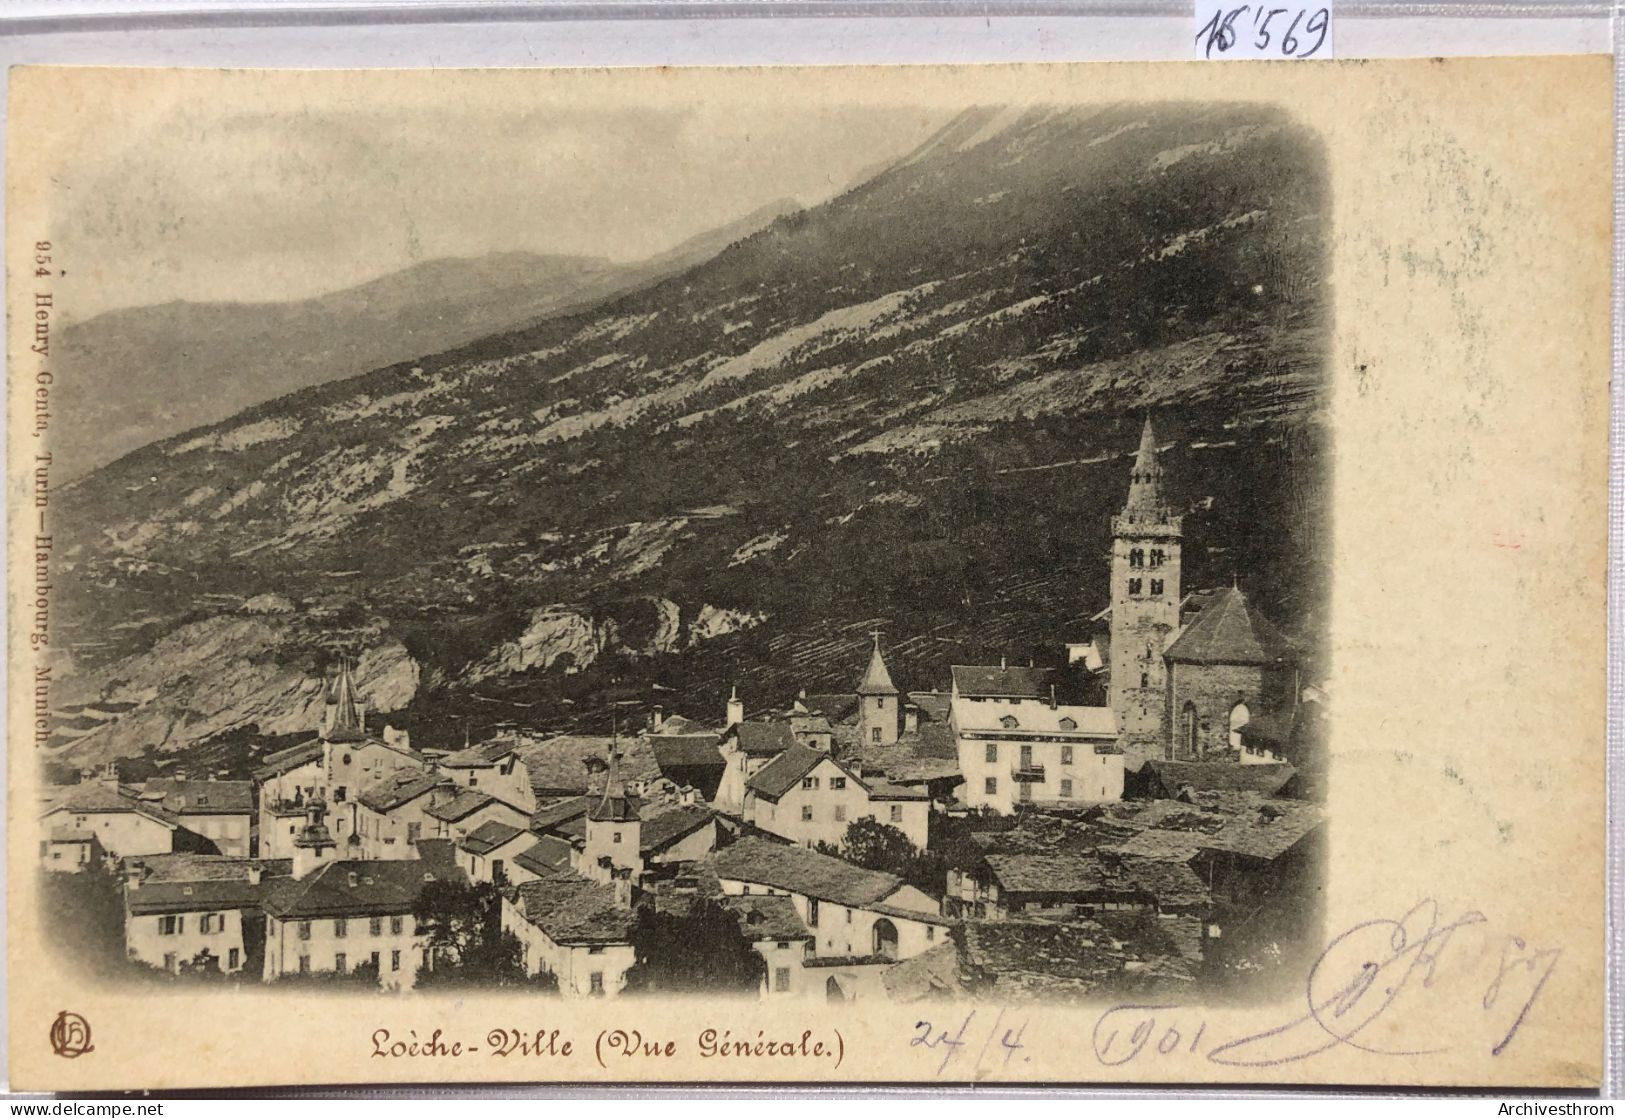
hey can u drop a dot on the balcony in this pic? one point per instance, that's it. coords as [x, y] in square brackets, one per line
[1028, 774]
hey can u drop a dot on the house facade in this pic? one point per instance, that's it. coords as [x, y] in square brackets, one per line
[1021, 750]
[807, 796]
[574, 929]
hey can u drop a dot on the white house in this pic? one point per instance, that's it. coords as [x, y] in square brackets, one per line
[853, 913]
[746, 748]
[1018, 749]
[219, 810]
[392, 812]
[184, 910]
[122, 822]
[574, 929]
[807, 796]
[491, 852]
[333, 915]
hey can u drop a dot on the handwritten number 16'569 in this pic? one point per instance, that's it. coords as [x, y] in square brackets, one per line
[1304, 35]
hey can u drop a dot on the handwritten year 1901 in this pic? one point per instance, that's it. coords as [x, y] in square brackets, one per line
[1262, 31]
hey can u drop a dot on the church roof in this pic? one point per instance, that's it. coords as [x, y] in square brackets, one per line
[1145, 483]
[346, 725]
[1229, 631]
[877, 680]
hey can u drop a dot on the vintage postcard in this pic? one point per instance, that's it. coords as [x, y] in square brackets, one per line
[1067, 574]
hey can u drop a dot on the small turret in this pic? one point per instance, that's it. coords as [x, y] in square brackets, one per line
[877, 702]
[313, 846]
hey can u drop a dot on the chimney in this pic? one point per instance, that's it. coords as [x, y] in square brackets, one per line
[355, 879]
[736, 708]
[1052, 696]
[256, 873]
[1002, 664]
[802, 694]
[657, 717]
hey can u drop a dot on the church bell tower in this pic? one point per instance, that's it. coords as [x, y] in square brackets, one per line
[1145, 601]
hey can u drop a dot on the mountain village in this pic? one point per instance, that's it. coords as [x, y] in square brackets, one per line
[1136, 822]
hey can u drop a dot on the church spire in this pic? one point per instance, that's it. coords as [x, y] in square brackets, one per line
[346, 722]
[877, 680]
[1145, 483]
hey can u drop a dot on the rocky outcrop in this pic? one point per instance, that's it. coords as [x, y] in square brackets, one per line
[714, 621]
[555, 635]
[223, 673]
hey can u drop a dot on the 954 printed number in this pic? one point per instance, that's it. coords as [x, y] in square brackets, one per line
[1263, 31]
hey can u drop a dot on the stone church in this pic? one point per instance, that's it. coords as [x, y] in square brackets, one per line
[1186, 670]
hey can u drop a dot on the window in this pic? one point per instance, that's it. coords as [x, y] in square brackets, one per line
[880, 702]
[1026, 757]
[809, 782]
[373, 959]
[896, 813]
[339, 963]
[1009, 722]
[1026, 791]
[596, 949]
[616, 837]
[304, 964]
[595, 984]
[338, 796]
[375, 926]
[930, 933]
[874, 735]
[234, 959]
[992, 754]
[840, 813]
[781, 979]
[211, 922]
[394, 960]
[836, 783]
[473, 780]
[1134, 585]
[414, 831]
[169, 925]
[1136, 558]
[1066, 789]
[1156, 587]
[395, 925]
[1066, 750]
[1145, 679]
[341, 927]
[849, 916]
[812, 912]
[991, 786]
[806, 813]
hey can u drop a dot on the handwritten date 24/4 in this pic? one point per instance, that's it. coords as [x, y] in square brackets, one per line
[1263, 31]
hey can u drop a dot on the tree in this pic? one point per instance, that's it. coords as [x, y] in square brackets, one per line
[83, 914]
[879, 846]
[363, 976]
[465, 944]
[702, 950]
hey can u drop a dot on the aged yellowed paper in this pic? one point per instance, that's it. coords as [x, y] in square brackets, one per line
[1040, 573]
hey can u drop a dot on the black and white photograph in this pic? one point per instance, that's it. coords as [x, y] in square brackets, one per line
[843, 557]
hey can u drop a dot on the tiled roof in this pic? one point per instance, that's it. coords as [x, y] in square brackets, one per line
[548, 816]
[928, 753]
[1052, 873]
[385, 887]
[933, 705]
[97, 799]
[286, 760]
[670, 826]
[810, 724]
[978, 681]
[488, 836]
[1268, 831]
[1166, 846]
[203, 797]
[200, 883]
[570, 763]
[393, 790]
[478, 756]
[1173, 883]
[548, 854]
[1016, 959]
[1032, 717]
[1221, 776]
[686, 751]
[797, 869]
[930, 974]
[1229, 631]
[762, 739]
[460, 806]
[764, 918]
[835, 707]
[786, 770]
[573, 910]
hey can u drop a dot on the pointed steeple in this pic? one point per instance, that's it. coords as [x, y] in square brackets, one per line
[876, 680]
[346, 721]
[1145, 483]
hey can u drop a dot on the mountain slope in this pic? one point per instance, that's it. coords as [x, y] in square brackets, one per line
[143, 374]
[907, 407]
